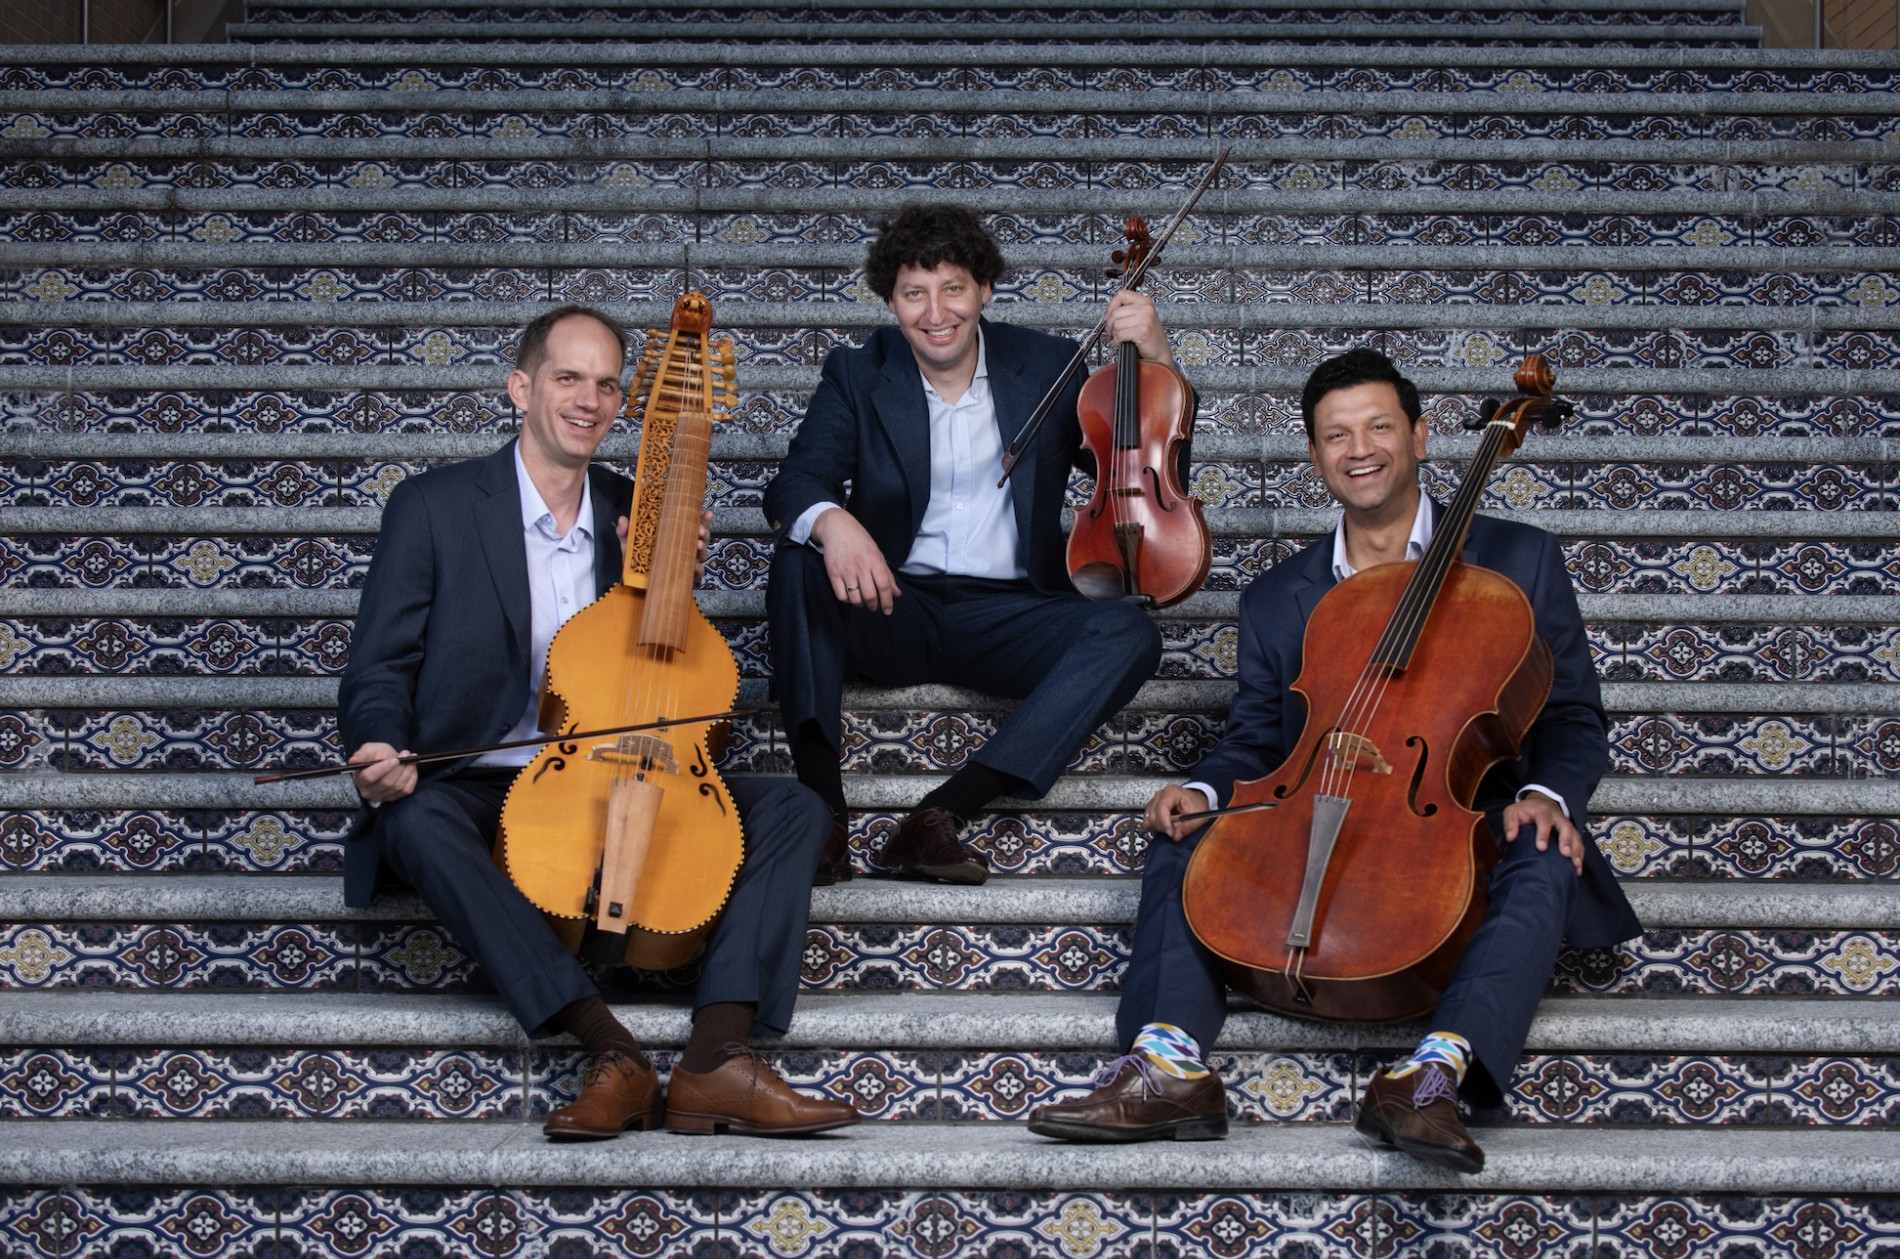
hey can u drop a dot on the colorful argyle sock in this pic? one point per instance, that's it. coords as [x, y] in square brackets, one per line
[1448, 1049]
[1171, 1051]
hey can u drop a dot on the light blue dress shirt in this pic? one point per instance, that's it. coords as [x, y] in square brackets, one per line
[560, 583]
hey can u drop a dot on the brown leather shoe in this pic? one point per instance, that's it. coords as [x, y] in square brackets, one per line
[617, 1093]
[834, 863]
[745, 1096]
[1418, 1115]
[1139, 1103]
[926, 847]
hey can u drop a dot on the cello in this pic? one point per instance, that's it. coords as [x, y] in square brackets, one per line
[1141, 536]
[630, 844]
[1347, 883]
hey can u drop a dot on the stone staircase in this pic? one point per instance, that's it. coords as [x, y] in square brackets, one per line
[249, 287]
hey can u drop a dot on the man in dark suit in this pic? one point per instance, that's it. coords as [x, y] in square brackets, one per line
[1366, 439]
[476, 566]
[901, 557]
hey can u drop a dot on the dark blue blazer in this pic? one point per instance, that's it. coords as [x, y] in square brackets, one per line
[865, 444]
[439, 656]
[1566, 749]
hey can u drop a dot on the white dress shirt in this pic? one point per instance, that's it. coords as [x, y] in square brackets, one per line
[560, 583]
[969, 525]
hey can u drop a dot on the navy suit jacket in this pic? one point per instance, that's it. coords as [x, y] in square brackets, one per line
[868, 427]
[439, 656]
[1566, 749]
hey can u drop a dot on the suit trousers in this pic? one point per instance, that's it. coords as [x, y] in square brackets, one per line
[440, 840]
[1071, 662]
[1490, 1000]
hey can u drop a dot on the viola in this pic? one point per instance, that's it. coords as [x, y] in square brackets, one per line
[1355, 897]
[1141, 536]
[630, 844]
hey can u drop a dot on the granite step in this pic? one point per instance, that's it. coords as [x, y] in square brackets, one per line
[1710, 11]
[968, 1057]
[502, 1191]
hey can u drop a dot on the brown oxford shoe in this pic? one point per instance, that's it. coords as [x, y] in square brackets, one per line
[1418, 1115]
[926, 847]
[745, 1096]
[617, 1093]
[834, 863]
[1139, 1103]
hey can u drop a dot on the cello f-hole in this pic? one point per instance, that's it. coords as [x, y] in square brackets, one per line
[1418, 776]
[1306, 771]
[1161, 499]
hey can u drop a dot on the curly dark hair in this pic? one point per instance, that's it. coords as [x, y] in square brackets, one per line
[1356, 367]
[926, 235]
[534, 338]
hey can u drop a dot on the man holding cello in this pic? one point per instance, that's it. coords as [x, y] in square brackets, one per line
[1366, 438]
[477, 565]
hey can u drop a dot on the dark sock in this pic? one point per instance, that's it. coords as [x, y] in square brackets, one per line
[715, 1028]
[817, 765]
[969, 789]
[593, 1024]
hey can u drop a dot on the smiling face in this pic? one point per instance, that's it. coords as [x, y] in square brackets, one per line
[937, 310]
[569, 399]
[1367, 451]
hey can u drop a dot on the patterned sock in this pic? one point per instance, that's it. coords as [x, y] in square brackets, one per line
[1171, 1051]
[1448, 1049]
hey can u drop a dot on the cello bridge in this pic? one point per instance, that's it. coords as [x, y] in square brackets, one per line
[1359, 751]
[643, 753]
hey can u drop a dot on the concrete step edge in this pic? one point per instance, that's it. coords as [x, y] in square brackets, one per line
[1206, 697]
[728, 444]
[1694, 609]
[1600, 383]
[843, 313]
[1003, 1156]
[1222, 522]
[999, 1022]
[1042, 900]
[1094, 794]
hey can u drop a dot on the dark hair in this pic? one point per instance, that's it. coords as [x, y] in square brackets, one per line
[534, 338]
[926, 235]
[1355, 367]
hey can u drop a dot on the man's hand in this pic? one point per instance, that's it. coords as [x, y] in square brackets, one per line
[1131, 317]
[384, 779]
[1540, 811]
[859, 575]
[1166, 807]
[704, 552]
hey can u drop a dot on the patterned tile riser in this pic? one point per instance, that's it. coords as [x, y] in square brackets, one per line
[891, 742]
[159, 841]
[393, 225]
[56, 296]
[153, 841]
[479, 1083]
[1161, 179]
[1475, 117]
[1522, 484]
[333, 561]
[417, 957]
[780, 412]
[830, 1224]
[657, 76]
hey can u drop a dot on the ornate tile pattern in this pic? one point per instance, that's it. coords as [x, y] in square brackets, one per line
[1859, 963]
[162, 840]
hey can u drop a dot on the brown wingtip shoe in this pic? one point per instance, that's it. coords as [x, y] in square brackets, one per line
[1139, 1103]
[834, 863]
[745, 1096]
[617, 1093]
[926, 847]
[1418, 1115]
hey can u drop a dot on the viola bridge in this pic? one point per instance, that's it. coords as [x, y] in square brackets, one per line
[647, 754]
[1359, 751]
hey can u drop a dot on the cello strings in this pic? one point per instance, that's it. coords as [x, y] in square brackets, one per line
[1414, 604]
